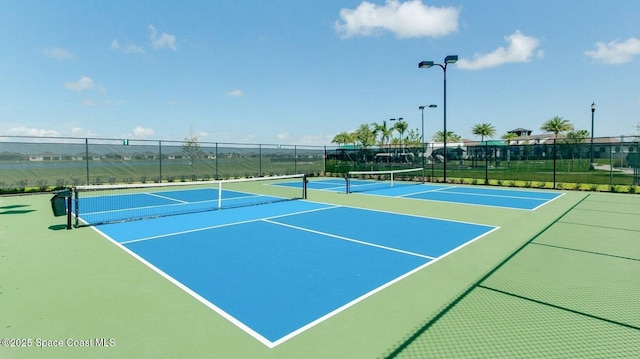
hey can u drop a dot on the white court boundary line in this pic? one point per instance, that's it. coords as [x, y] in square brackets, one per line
[445, 189]
[272, 344]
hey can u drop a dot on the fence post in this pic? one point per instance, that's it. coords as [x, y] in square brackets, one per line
[160, 159]
[260, 160]
[217, 175]
[324, 162]
[554, 163]
[611, 165]
[86, 150]
[486, 163]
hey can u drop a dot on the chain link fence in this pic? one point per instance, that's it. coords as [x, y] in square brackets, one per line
[37, 163]
[609, 165]
[41, 163]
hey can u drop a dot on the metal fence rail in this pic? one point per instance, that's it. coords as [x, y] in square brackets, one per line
[45, 162]
[549, 164]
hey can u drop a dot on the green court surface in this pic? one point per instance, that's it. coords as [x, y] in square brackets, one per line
[558, 282]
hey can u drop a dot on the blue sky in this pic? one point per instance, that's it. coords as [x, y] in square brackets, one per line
[299, 72]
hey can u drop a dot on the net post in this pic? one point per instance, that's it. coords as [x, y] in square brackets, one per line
[346, 179]
[304, 186]
[219, 194]
[77, 210]
[69, 201]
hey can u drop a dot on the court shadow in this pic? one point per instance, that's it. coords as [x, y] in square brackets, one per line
[11, 209]
[18, 211]
[14, 206]
[58, 227]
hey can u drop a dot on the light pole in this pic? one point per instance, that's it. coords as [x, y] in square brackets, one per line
[593, 110]
[450, 59]
[421, 108]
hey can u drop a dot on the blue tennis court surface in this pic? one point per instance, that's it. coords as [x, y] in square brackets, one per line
[276, 270]
[495, 197]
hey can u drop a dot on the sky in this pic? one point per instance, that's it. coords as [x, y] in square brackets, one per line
[301, 71]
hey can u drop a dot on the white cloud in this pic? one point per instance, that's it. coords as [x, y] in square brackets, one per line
[615, 52]
[521, 48]
[408, 19]
[26, 131]
[142, 132]
[82, 132]
[127, 49]
[313, 140]
[163, 40]
[235, 93]
[58, 53]
[202, 134]
[85, 83]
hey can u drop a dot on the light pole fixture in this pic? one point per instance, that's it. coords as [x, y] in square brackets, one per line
[593, 110]
[421, 108]
[450, 59]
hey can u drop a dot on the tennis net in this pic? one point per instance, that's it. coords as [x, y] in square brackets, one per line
[362, 181]
[102, 204]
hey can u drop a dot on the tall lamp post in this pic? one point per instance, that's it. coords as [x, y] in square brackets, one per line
[450, 59]
[421, 108]
[593, 110]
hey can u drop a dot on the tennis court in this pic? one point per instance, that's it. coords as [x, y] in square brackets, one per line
[505, 198]
[274, 270]
[372, 274]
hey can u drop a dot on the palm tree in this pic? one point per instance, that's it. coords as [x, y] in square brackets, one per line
[384, 132]
[484, 129]
[556, 125]
[401, 127]
[344, 138]
[508, 137]
[364, 135]
[451, 137]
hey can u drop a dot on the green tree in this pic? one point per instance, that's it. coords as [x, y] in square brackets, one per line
[413, 138]
[191, 151]
[401, 127]
[384, 131]
[575, 142]
[557, 125]
[484, 129]
[508, 137]
[451, 137]
[344, 138]
[364, 135]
